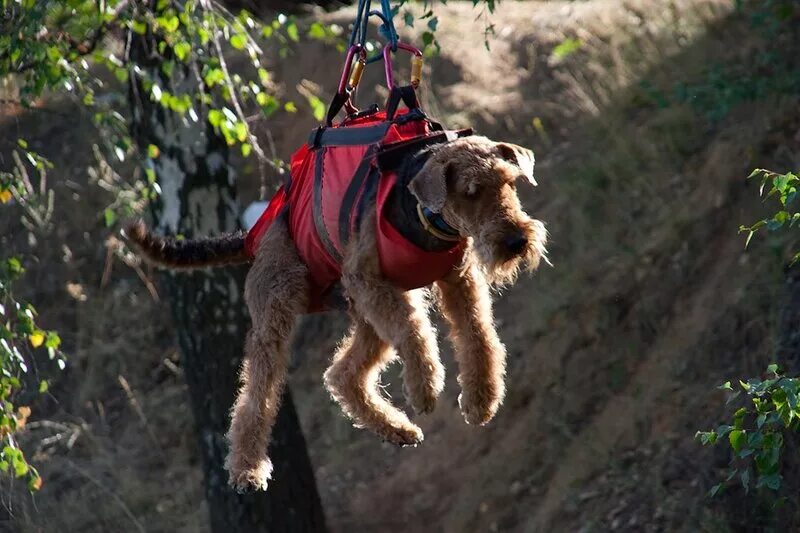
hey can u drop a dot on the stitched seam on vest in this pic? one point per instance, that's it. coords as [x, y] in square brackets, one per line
[316, 208]
[352, 195]
[367, 197]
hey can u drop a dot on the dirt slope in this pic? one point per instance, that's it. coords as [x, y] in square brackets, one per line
[613, 353]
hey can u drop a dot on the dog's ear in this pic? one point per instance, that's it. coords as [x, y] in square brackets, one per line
[429, 186]
[522, 157]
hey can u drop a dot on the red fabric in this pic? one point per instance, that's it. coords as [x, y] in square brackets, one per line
[407, 265]
[401, 261]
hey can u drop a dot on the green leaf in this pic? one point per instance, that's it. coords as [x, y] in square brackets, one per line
[567, 47]
[215, 117]
[169, 23]
[241, 131]
[139, 27]
[109, 216]
[246, 149]
[152, 151]
[772, 481]
[182, 50]
[291, 31]
[318, 108]
[317, 31]
[53, 54]
[745, 478]
[43, 386]
[737, 439]
[238, 41]
[213, 77]
[290, 107]
[121, 74]
[52, 340]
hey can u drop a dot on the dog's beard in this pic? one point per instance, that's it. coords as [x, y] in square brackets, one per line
[500, 267]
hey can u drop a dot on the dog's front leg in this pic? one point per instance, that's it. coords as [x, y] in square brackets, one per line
[398, 317]
[353, 381]
[276, 291]
[467, 306]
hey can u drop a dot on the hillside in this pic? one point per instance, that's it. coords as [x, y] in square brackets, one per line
[614, 352]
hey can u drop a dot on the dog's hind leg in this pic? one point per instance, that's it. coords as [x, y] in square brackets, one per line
[467, 306]
[276, 291]
[353, 381]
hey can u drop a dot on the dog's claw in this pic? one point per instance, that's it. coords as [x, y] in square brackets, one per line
[246, 480]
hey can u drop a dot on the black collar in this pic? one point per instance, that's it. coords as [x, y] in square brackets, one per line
[436, 225]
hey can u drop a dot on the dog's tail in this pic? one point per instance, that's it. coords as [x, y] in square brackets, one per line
[173, 253]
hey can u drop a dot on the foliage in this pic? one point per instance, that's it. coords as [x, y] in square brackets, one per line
[58, 46]
[756, 433]
[764, 70]
[20, 336]
[784, 188]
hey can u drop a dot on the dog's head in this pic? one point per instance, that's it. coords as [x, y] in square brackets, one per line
[472, 182]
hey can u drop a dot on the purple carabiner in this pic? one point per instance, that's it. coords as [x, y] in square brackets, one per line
[387, 59]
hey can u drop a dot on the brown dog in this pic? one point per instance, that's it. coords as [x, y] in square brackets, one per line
[471, 183]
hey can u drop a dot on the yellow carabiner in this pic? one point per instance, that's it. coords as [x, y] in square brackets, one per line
[358, 70]
[416, 70]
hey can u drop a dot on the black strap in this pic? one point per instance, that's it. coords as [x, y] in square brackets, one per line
[371, 110]
[352, 192]
[405, 93]
[391, 156]
[336, 105]
[349, 136]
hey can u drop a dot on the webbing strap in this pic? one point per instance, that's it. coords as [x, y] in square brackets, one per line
[391, 156]
[405, 93]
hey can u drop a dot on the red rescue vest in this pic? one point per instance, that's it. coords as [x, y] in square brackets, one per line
[334, 179]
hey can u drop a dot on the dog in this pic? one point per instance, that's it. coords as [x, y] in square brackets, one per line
[461, 193]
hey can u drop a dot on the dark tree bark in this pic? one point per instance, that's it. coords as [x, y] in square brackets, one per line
[789, 327]
[198, 198]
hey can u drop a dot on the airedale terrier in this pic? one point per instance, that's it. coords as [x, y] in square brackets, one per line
[459, 195]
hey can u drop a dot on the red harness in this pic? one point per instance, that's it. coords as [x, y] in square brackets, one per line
[333, 180]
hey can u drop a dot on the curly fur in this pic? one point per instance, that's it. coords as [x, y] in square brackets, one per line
[187, 253]
[472, 183]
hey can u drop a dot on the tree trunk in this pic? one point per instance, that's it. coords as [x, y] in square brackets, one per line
[198, 198]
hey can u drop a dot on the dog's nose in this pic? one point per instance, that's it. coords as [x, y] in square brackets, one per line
[515, 243]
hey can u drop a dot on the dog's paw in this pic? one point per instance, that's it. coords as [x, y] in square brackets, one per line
[403, 436]
[422, 392]
[478, 410]
[246, 479]
[422, 400]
